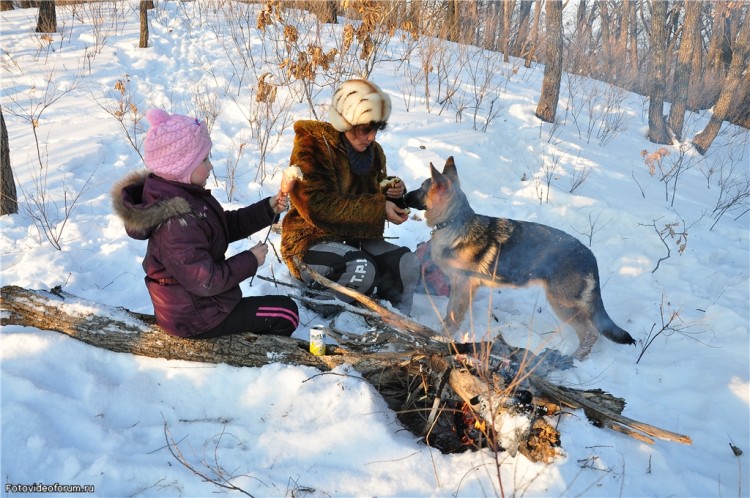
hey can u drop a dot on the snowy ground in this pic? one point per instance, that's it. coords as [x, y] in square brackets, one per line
[73, 414]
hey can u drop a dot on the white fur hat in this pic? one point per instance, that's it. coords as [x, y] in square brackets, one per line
[358, 102]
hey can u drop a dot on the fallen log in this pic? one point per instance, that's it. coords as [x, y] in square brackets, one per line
[123, 331]
[427, 383]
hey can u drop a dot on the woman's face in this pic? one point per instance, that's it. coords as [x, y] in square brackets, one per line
[200, 174]
[361, 137]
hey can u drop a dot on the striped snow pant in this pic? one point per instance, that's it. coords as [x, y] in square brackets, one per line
[277, 315]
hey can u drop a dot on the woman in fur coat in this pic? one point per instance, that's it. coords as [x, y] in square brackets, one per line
[195, 289]
[339, 209]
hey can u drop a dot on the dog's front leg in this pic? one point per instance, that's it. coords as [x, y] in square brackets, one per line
[459, 300]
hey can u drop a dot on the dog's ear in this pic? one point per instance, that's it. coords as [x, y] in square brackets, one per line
[438, 180]
[433, 172]
[449, 170]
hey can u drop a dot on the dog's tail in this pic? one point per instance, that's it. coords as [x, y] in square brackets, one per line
[607, 327]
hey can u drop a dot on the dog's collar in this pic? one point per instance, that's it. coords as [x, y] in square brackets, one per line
[439, 226]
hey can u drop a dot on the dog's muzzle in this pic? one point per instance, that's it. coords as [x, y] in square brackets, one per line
[415, 199]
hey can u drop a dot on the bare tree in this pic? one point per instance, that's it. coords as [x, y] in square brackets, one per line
[8, 196]
[547, 106]
[579, 44]
[329, 13]
[621, 45]
[531, 50]
[633, 53]
[606, 39]
[452, 17]
[719, 54]
[688, 45]
[47, 20]
[508, 6]
[143, 10]
[520, 44]
[730, 91]
[740, 114]
[657, 127]
[624, 53]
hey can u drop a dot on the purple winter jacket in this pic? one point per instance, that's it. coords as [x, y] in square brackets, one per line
[192, 284]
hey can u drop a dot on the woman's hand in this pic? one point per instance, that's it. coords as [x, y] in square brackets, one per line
[279, 202]
[396, 190]
[394, 214]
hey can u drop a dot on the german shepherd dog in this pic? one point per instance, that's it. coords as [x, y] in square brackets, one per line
[473, 250]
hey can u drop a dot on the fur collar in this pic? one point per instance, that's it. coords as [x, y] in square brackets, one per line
[318, 129]
[142, 217]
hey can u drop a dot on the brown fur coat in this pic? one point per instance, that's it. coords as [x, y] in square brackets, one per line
[330, 203]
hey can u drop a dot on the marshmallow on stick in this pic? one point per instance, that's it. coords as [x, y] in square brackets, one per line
[291, 175]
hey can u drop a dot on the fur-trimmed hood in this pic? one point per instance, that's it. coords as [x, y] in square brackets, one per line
[140, 216]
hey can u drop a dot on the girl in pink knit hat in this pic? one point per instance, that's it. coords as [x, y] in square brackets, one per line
[194, 287]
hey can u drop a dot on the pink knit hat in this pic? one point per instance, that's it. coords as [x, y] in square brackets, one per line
[175, 145]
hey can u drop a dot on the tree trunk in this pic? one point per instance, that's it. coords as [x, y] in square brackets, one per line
[547, 106]
[8, 195]
[452, 20]
[688, 45]
[697, 77]
[531, 52]
[521, 42]
[47, 20]
[740, 114]
[579, 43]
[634, 67]
[657, 127]
[605, 66]
[327, 12]
[621, 46]
[719, 48]
[718, 56]
[730, 91]
[508, 7]
[143, 7]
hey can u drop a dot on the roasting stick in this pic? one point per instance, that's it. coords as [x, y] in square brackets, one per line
[291, 175]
